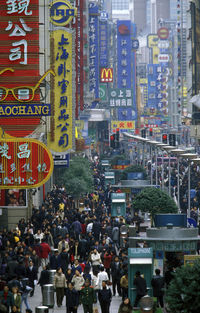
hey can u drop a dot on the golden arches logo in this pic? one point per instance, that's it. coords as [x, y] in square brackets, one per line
[106, 75]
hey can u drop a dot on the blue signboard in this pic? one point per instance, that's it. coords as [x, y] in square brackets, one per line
[135, 44]
[103, 43]
[124, 45]
[126, 114]
[94, 50]
[21, 109]
[61, 160]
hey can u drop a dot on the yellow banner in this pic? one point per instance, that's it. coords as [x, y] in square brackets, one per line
[60, 138]
[152, 42]
[122, 125]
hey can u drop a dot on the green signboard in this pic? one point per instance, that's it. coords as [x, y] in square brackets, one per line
[120, 97]
[103, 92]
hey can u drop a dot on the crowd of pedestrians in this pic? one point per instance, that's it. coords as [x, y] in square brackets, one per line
[83, 246]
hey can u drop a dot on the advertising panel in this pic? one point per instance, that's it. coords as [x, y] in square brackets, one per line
[24, 163]
[120, 97]
[79, 57]
[60, 139]
[13, 197]
[103, 43]
[94, 50]
[122, 125]
[124, 44]
[106, 75]
[19, 62]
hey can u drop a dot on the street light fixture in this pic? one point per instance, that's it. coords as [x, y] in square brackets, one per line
[190, 157]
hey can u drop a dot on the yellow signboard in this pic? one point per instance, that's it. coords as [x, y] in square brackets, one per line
[122, 125]
[60, 139]
[190, 259]
[152, 42]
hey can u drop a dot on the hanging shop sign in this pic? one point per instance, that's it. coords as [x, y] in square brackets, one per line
[106, 75]
[24, 163]
[19, 62]
[62, 13]
[60, 139]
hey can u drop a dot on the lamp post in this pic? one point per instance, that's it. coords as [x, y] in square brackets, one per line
[169, 149]
[161, 145]
[189, 157]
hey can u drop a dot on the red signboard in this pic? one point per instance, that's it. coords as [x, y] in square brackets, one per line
[106, 75]
[163, 33]
[19, 61]
[79, 57]
[24, 163]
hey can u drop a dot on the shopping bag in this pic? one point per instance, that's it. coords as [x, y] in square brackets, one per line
[95, 310]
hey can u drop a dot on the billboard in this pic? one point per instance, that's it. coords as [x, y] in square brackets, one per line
[103, 43]
[120, 97]
[19, 62]
[24, 163]
[124, 44]
[79, 57]
[60, 139]
[123, 126]
[13, 198]
[94, 51]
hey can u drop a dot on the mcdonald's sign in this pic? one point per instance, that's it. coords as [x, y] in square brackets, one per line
[106, 75]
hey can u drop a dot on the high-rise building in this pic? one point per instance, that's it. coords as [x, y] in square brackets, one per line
[120, 9]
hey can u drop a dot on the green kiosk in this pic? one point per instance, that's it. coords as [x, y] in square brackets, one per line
[118, 204]
[109, 178]
[140, 259]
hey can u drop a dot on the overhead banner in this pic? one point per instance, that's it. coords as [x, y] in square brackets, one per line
[19, 61]
[60, 139]
[24, 163]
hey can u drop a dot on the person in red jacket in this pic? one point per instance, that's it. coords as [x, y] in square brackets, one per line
[44, 253]
[107, 261]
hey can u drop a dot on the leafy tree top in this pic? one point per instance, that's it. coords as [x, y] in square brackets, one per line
[78, 178]
[154, 201]
[115, 159]
[183, 293]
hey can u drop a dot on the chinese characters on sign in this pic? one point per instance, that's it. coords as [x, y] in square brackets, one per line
[120, 97]
[61, 139]
[123, 126]
[94, 50]
[19, 59]
[123, 54]
[24, 163]
[103, 38]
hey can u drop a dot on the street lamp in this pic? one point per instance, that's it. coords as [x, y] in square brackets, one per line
[169, 149]
[190, 157]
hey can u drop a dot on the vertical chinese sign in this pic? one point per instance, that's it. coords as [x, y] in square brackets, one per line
[79, 57]
[94, 50]
[103, 42]
[61, 136]
[19, 61]
[123, 54]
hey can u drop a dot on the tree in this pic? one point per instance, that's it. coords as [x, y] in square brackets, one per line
[78, 178]
[134, 169]
[154, 201]
[115, 159]
[184, 290]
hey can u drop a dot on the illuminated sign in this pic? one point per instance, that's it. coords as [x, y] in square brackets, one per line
[24, 163]
[19, 59]
[122, 125]
[106, 75]
[62, 13]
[163, 33]
[10, 110]
[60, 139]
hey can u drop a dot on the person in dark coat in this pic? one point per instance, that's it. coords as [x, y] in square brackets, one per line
[157, 283]
[72, 299]
[54, 260]
[31, 274]
[64, 260]
[6, 297]
[105, 298]
[20, 270]
[44, 277]
[141, 287]
[116, 276]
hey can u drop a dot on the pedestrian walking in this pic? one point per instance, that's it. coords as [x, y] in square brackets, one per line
[125, 306]
[158, 283]
[105, 297]
[60, 285]
[141, 287]
[87, 297]
[72, 299]
[124, 285]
